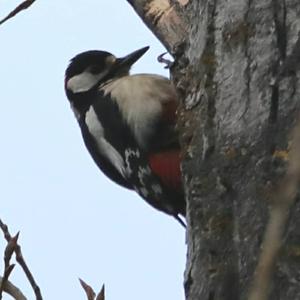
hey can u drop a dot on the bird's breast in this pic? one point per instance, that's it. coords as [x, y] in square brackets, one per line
[140, 99]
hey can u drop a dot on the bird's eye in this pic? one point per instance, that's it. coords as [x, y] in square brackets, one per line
[95, 69]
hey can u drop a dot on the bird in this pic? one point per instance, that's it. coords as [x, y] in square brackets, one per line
[128, 124]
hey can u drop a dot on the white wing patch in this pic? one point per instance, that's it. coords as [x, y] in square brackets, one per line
[156, 188]
[128, 154]
[105, 148]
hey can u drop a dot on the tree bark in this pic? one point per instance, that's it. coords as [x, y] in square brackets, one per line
[236, 73]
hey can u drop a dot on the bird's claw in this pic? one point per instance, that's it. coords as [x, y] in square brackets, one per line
[163, 60]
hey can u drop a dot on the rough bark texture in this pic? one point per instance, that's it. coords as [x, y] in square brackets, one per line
[236, 116]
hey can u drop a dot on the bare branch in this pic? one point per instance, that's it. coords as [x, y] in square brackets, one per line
[21, 261]
[279, 214]
[19, 8]
[12, 290]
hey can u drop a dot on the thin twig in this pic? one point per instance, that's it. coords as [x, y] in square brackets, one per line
[21, 261]
[12, 290]
[8, 268]
[101, 295]
[19, 8]
[279, 214]
[6, 273]
[91, 295]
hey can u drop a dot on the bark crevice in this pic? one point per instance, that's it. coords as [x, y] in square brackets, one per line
[279, 15]
[248, 57]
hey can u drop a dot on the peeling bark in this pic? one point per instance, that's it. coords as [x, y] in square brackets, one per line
[238, 77]
[165, 19]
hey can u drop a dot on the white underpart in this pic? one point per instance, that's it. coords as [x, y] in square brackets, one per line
[140, 98]
[84, 81]
[104, 147]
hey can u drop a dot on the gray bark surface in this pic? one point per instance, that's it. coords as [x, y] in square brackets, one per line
[240, 90]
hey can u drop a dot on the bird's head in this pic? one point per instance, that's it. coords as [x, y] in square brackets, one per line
[89, 69]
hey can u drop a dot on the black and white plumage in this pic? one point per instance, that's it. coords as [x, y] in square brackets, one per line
[127, 123]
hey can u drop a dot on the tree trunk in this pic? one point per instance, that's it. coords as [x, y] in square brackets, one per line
[236, 72]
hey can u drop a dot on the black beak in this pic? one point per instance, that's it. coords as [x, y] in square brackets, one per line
[130, 59]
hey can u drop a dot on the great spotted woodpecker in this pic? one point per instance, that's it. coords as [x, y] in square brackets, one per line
[128, 125]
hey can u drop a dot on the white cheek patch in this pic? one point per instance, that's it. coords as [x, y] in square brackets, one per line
[104, 147]
[84, 81]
